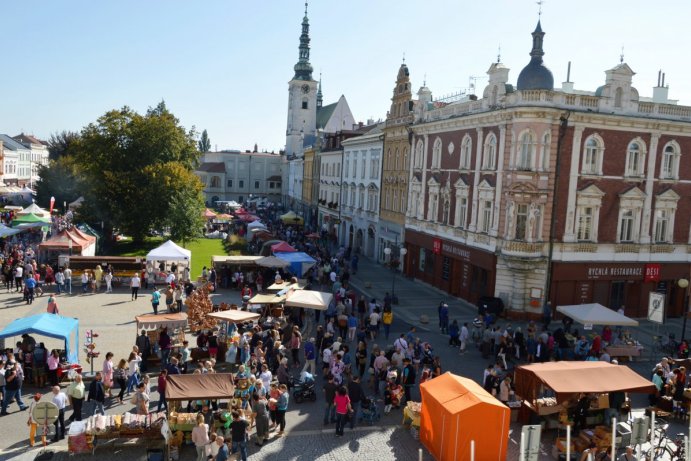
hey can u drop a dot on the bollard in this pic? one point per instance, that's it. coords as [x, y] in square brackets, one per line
[472, 450]
[568, 442]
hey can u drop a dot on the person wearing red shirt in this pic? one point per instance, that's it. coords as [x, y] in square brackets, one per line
[343, 408]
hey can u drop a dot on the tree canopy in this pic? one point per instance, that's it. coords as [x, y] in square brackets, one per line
[204, 142]
[137, 173]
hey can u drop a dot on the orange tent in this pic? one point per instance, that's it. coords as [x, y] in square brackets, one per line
[456, 410]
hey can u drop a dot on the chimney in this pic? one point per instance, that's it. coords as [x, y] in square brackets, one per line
[661, 92]
[567, 86]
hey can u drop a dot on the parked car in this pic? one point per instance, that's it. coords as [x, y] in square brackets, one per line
[494, 306]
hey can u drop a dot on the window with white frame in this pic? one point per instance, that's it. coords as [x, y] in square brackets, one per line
[445, 212]
[663, 229]
[584, 224]
[346, 169]
[485, 223]
[433, 206]
[665, 210]
[461, 212]
[354, 174]
[669, 168]
[436, 154]
[490, 152]
[588, 204]
[353, 193]
[404, 159]
[394, 204]
[526, 151]
[418, 155]
[403, 198]
[374, 168]
[521, 230]
[592, 155]
[361, 202]
[627, 225]
[466, 152]
[635, 158]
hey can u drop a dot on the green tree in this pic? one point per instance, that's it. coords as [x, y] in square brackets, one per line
[204, 142]
[134, 165]
[184, 218]
[59, 179]
[60, 144]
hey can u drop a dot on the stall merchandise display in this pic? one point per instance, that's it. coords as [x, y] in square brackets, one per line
[198, 306]
[82, 434]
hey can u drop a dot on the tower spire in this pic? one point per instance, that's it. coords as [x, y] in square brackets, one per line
[303, 68]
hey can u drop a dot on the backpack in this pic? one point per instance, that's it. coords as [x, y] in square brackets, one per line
[387, 318]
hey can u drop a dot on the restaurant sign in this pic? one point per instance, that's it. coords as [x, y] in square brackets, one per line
[615, 272]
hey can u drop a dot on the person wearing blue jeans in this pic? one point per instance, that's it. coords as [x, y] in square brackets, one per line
[238, 437]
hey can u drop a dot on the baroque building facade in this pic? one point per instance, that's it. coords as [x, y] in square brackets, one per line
[534, 193]
[395, 166]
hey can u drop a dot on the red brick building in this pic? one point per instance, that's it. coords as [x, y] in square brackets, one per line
[534, 193]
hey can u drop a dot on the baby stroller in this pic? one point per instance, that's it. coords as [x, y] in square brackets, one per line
[304, 389]
[370, 411]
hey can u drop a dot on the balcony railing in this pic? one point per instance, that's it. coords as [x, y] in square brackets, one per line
[522, 248]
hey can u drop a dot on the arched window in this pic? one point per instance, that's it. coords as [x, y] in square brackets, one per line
[490, 154]
[592, 155]
[635, 158]
[526, 151]
[466, 152]
[669, 169]
[618, 94]
[395, 161]
[436, 153]
[418, 154]
[404, 165]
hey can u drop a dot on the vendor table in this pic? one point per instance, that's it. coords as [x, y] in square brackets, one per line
[624, 351]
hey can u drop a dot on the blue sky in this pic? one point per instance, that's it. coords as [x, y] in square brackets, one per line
[223, 65]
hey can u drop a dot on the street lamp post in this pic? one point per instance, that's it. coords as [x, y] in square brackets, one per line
[683, 284]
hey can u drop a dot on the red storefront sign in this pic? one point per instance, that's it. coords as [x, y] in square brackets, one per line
[652, 272]
[436, 246]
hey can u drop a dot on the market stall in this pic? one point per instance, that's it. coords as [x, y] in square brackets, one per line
[153, 324]
[170, 252]
[52, 326]
[235, 262]
[308, 299]
[450, 415]
[291, 218]
[67, 242]
[196, 388]
[282, 247]
[550, 390]
[113, 430]
[272, 262]
[593, 314]
[300, 262]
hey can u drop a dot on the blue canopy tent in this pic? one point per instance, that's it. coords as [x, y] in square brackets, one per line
[299, 262]
[51, 325]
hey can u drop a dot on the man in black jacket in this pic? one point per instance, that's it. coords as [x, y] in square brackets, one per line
[97, 393]
[407, 378]
[144, 345]
[356, 395]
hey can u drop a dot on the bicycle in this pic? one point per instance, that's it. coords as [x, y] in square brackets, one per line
[667, 448]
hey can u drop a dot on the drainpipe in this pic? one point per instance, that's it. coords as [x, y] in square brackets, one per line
[563, 125]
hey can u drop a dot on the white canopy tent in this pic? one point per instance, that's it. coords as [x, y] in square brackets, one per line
[255, 225]
[35, 209]
[596, 314]
[309, 299]
[169, 251]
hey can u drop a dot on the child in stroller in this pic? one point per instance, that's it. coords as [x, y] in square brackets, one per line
[369, 410]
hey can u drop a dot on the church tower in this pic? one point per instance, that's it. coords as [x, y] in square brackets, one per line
[302, 98]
